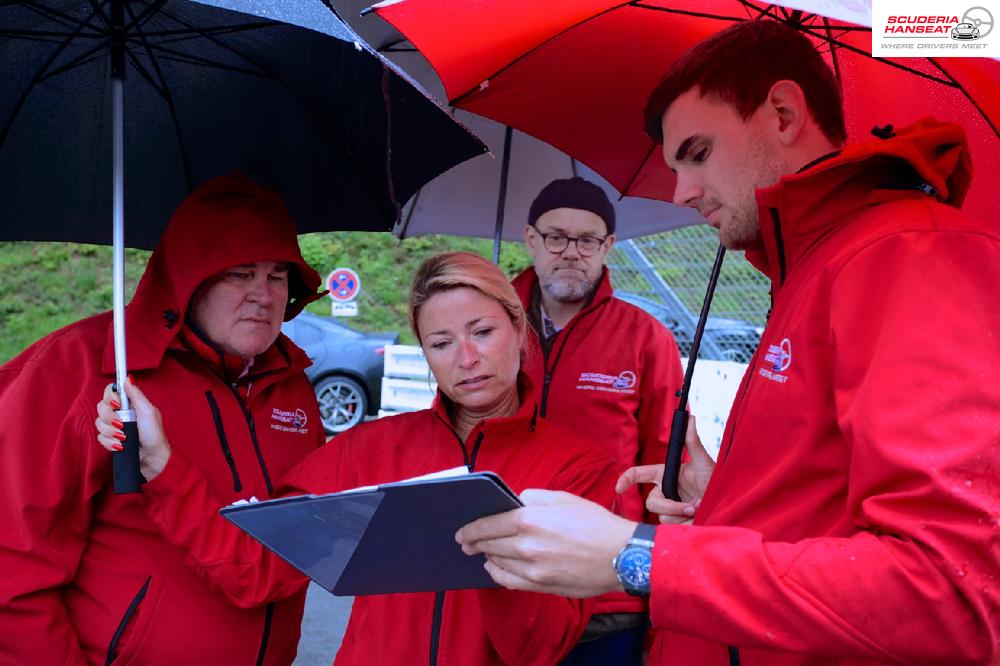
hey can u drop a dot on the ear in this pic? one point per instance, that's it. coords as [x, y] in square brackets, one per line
[530, 236]
[609, 244]
[791, 114]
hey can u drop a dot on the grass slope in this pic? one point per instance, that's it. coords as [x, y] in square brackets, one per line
[44, 286]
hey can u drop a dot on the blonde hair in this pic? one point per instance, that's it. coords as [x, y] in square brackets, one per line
[455, 270]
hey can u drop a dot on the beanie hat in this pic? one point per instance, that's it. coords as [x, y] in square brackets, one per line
[576, 193]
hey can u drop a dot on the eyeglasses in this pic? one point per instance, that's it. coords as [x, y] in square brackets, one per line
[585, 245]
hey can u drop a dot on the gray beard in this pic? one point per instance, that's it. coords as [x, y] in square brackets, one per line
[565, 290]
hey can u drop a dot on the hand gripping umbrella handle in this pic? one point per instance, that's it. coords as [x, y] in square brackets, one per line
[678, 426]
[125, 463]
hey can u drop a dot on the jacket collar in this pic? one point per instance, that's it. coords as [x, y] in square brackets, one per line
[927, 158]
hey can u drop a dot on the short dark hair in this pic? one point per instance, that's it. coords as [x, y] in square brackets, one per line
[739, 65]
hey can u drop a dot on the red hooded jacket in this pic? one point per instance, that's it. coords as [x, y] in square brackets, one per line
[611, 375]
[482, 627]
[853, 513]
[88, 577]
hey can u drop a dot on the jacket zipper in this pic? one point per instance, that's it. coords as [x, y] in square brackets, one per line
[253, 438]
[436, 626]
[543, 407]
[129, 612]
[470, 462]
[779, 242]
[223, 441]
[733, 652]
[267, 634]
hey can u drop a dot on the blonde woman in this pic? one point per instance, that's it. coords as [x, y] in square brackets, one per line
[473, 331]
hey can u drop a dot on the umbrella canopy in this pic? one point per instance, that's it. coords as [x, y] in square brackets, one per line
[469, 199]
[285, 92]
[576, 74]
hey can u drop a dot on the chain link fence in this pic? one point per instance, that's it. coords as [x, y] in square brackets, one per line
[667, 274]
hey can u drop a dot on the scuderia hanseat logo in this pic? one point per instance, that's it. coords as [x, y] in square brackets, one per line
[293, 420]
[623, 382]
[777, 360]
[932, 28]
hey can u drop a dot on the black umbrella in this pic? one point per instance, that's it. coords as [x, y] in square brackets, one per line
[161, 95]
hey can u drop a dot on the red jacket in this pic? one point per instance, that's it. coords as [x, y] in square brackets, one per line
[853, 512]
[611, 375]
[481, 627]
[87, 575]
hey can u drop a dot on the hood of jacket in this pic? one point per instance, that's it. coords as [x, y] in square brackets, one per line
[226, 222]
[927, 158]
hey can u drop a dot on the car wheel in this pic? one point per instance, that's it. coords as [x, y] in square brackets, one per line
[342, 403]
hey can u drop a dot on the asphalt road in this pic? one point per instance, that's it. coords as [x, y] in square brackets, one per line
[322, 627]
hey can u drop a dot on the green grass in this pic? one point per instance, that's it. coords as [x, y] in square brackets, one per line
[44, 286]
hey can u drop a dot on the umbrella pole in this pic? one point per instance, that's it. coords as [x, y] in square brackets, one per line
[127, 478]
[502, 200]
[678, 426]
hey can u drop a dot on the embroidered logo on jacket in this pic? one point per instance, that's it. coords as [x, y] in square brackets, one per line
[777, 359]
[624, 382]
[289, 421]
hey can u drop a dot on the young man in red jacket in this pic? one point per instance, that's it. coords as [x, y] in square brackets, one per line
[852, 516]
[605, 369]
[87, 577]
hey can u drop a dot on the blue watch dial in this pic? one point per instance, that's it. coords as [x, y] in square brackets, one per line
[633, 567]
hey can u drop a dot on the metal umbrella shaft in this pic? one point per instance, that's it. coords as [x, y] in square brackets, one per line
[125, 463]
[678, 426]
[508, 137]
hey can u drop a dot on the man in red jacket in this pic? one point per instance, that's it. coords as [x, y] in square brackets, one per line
[606, 370]
[852, 516]
[87, 577]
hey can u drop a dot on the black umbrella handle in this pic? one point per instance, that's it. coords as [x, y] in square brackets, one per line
[678, 427]
[675, 450]
[125, 463]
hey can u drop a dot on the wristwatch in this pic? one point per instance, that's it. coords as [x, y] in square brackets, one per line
[633, 561]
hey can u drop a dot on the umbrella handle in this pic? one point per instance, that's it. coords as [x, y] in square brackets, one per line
[125, 463]
[675, 450]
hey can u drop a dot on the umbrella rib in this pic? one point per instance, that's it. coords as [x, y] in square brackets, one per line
[223, 46]
[39, 75]
[180, 56]
[164, 91]
[321, 122]
[64, 19]
[87, 56]
[962, 89]
[455, 101]
[217, 30]
[687, 12]
[833, 54]
[836, 42]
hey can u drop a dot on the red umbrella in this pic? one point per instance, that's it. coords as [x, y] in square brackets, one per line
[576, 73]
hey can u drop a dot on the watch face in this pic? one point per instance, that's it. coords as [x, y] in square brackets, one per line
[633, 567]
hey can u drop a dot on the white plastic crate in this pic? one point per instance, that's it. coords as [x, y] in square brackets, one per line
[406, 395]
[406, 362]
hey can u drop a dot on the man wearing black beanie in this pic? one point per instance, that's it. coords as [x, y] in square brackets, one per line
[605, 369]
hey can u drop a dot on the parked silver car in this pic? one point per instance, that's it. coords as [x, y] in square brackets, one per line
[347, 367]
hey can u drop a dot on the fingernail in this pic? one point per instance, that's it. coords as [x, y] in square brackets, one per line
[118, 447]
[115, 404]
[131, 380]
[118, 424]
[120, 436]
